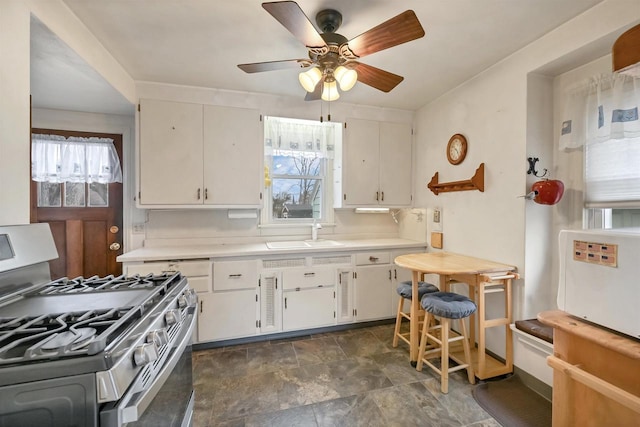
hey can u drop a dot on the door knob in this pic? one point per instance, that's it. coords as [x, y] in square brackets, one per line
[114, 246]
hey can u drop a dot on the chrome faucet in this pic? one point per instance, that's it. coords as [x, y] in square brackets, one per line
[314, 230]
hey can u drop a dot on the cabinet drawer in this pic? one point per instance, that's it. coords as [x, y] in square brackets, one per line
[187, 268]
[308, 277]
[200, 283]
[373, 258]
[231, 275]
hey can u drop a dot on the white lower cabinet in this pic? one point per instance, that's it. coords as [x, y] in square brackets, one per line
[372, 297]
[308, 308]
[241, 297]
[373, 284]
[226, 315]
[400, 275]
[270, 317]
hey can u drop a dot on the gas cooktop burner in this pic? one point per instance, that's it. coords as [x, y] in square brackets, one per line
[73, 317]
[95, 283]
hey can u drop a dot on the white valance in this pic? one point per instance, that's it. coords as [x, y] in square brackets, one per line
[300, 137]
[601, 109]
[56, 159]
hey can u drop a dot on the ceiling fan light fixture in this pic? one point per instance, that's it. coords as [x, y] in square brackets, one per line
[330, 91]
[346, 78]
[309, 79]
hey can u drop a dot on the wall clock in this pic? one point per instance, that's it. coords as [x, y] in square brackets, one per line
[457, 149]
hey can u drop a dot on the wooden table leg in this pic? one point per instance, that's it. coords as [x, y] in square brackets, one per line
[414, 332]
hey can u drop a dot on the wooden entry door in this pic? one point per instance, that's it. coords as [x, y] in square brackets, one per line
[88, 235]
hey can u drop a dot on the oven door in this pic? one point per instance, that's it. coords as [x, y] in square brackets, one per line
[168, 401]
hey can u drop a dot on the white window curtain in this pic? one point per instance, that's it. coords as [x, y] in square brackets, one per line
[57, 159]
[298, 137]
[601, 116]
[601, 109]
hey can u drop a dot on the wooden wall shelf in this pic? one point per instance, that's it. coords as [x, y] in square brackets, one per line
[475, 183]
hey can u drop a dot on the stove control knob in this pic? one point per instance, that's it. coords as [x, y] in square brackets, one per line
[182, 301]
[159, 337]
[172, 317]
[192, 296]
[145, 354]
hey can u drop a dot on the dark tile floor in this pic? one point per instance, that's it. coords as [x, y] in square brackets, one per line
[347, 378]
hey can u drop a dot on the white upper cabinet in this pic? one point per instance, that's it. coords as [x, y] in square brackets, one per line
[376, 164]
[199, 156]
[170, 153]
[233, 156]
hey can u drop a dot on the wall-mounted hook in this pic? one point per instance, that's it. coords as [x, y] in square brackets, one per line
[532, 168]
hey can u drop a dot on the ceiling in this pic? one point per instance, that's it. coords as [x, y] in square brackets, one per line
[200, 42]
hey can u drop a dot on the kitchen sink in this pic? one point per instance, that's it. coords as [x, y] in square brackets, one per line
[322, 243]
[301, 244]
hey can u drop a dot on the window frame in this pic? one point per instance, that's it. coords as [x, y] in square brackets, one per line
[325, 177]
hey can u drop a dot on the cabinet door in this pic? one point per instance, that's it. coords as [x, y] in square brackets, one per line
[373, 300]
[361, 163]
[395, 164]
[224, 315]
[345, 296]
[170, 153]
[270, 303]
[233, 159]
[308, 308]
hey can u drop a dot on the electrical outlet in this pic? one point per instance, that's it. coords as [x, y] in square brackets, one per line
[436, 215]
[138, 228]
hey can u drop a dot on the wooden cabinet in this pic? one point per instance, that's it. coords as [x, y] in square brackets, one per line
[596, 380]
[377, 164]
[193, 155]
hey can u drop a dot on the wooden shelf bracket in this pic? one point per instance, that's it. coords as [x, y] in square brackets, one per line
[475, 183]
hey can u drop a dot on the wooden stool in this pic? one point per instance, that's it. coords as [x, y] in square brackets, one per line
[446, 306]
[404, 290]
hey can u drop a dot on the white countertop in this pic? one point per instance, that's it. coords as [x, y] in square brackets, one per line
[258, 248]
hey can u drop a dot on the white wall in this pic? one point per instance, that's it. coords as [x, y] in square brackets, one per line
[491, 110]
[15, 135]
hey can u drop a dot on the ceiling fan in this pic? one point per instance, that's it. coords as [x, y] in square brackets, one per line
[333, 59]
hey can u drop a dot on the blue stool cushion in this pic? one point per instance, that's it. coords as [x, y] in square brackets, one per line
[448, 304]
[404, 289]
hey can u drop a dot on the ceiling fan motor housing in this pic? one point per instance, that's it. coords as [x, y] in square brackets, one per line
[329, 20]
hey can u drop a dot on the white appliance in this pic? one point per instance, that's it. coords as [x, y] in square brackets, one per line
[600, 277]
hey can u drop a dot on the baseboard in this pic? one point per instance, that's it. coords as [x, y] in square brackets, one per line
[540, 387]
[289, 335]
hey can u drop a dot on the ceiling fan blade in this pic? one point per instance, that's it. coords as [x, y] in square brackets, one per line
[375, 77]
[316, 94]
[258, 67]
[289, 14]
[397, 30]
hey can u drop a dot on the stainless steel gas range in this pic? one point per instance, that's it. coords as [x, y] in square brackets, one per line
[99, 351]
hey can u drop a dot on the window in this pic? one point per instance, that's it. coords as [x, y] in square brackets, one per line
[602, 117]
[298, 166]
[73, 171]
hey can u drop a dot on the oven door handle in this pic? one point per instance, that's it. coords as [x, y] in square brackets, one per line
[131, 411]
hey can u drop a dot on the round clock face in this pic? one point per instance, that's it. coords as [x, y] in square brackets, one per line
[456, 149]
